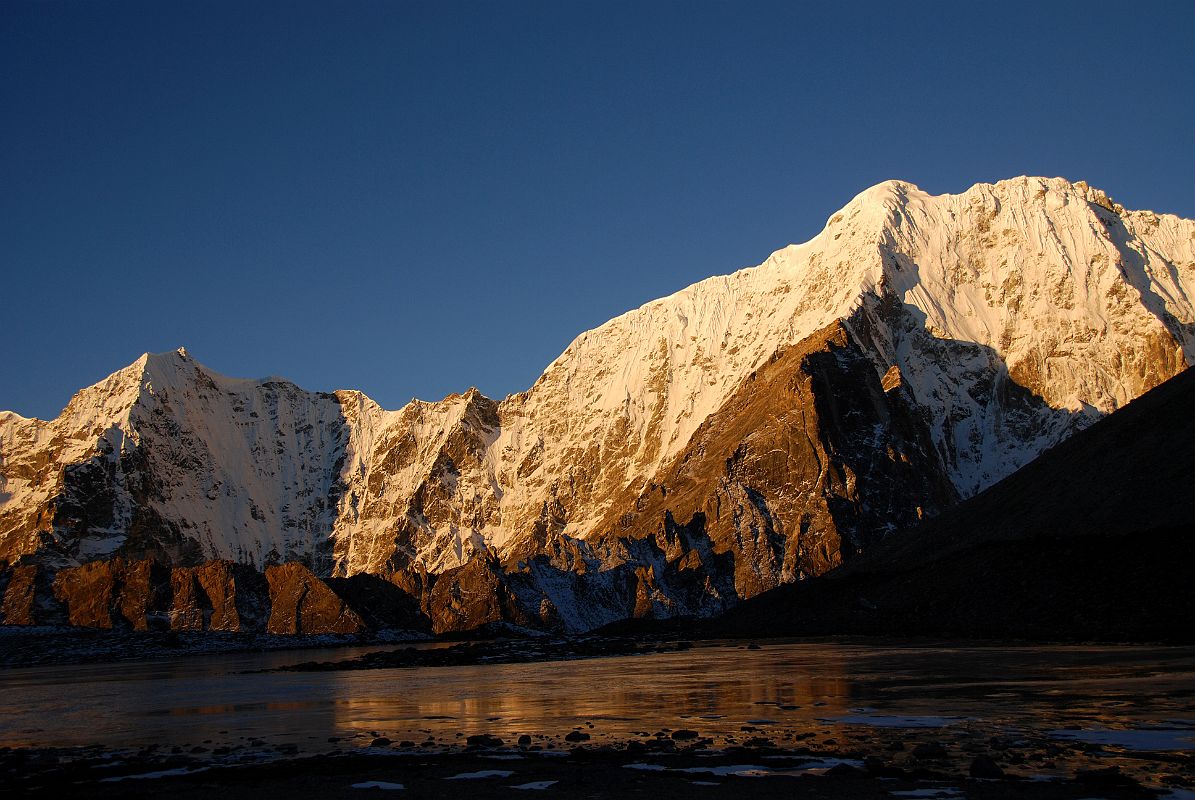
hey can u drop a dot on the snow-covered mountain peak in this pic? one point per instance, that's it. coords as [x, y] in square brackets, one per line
[1043, 279]
[1008, 314]
[1034, 268]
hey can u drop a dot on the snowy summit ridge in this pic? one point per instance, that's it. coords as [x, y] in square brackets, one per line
[1002, 319]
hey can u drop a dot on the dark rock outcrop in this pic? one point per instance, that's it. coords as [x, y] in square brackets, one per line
[300, 603]
[382, 605]
[475, 594]
[115, 593]
[223, 596]
[218, 596]
[28, 598]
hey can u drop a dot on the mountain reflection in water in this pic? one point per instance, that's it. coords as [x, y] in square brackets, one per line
[790, 692]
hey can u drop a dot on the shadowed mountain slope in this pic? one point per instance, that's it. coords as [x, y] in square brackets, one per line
[1093, 540]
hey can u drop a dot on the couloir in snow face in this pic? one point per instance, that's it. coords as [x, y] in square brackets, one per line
[749, 430]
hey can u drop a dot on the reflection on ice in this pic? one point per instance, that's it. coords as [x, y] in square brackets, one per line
[813, 692]
[881, 721]
[1134, 739]
[805, 767]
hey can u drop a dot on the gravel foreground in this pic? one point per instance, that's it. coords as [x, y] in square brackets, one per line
[676, 763]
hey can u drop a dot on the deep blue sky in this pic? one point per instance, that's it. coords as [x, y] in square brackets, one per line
[413, 198]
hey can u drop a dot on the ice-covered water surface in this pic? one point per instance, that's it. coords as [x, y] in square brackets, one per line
[807, 692]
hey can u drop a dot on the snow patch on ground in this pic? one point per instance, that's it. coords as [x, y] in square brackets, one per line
[480, 774]
[165, 773]
[1135, 739]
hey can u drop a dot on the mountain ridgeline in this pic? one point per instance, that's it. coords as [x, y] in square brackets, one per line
[747, 432]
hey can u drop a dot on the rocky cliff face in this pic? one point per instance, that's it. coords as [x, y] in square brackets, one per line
[302, 603]
[29, 597]
[118, 592]
[750, 430]
[218, 596]
[144, 594]
[811, 460]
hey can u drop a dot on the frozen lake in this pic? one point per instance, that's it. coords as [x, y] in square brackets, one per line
[1124, 697]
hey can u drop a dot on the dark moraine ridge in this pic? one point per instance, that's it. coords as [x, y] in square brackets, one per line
[1095, 540]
